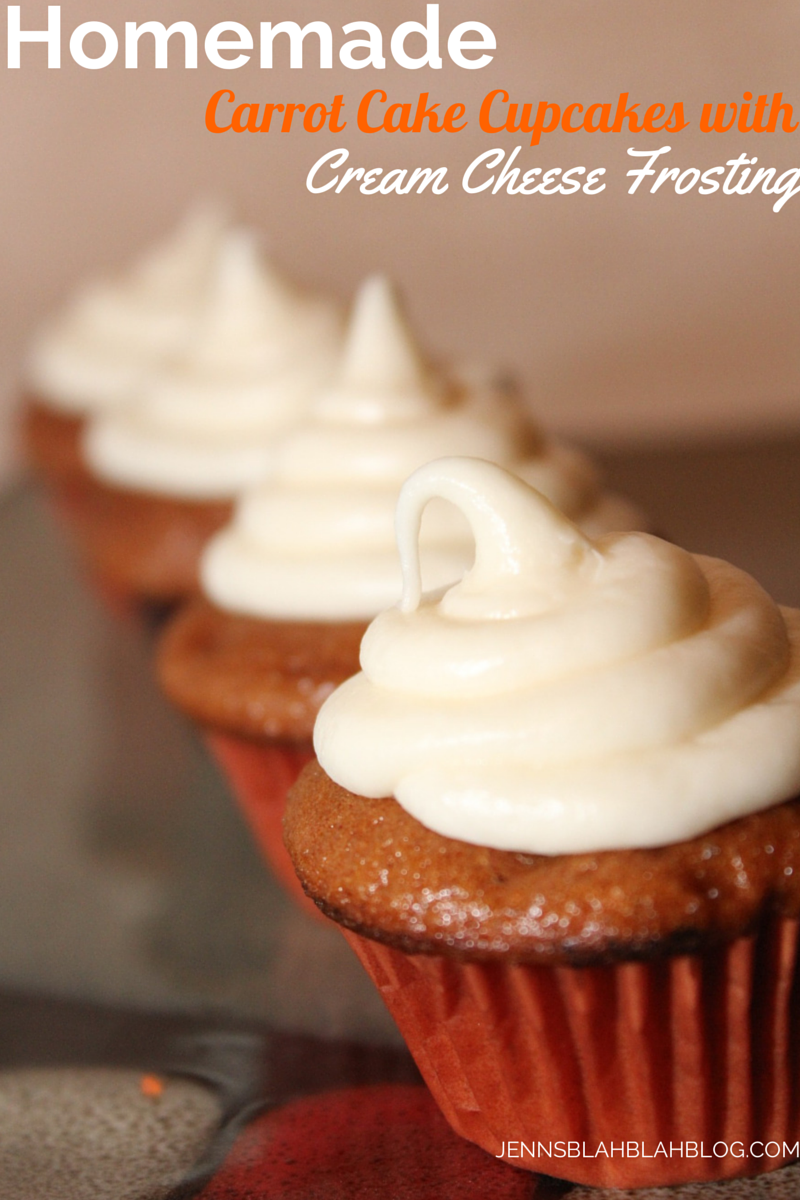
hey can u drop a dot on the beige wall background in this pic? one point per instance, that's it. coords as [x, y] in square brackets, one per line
[645, 317]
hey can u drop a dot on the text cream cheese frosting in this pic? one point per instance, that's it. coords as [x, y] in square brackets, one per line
[96, 354]
[316, 540]
[204, 426]
[567, 695]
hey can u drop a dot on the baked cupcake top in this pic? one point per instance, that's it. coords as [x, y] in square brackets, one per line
[254, 678]
[373, 868]
[203, 427]
[316, 540]
[95, 354]
[568, 695]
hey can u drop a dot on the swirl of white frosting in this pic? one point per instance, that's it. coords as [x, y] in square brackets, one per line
[204, 426]
[316, 541]
[567, 695]
[95, 355]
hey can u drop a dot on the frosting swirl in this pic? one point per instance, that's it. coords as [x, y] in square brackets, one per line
[204, 426]
[316, 540]
[567, 695]
[96, 354]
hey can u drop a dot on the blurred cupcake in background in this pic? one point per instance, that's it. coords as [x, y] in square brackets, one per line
[97, 352]
[166, 465]
[309, 557]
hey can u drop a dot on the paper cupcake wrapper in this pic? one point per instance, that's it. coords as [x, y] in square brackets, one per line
[68, 503]
[70, 493]
[51, 441]
[260, 775]
[147, 546]
[59, 464]
[693, 1061]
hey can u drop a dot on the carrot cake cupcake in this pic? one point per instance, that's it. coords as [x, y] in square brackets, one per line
[558, 817]
[167, 467]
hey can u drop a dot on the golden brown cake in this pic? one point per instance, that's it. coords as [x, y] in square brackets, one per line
[435, 895]
[254, 678]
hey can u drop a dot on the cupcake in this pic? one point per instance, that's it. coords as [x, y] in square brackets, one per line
[167, 467]
[557, 817]
[96, 353]
[310, 556]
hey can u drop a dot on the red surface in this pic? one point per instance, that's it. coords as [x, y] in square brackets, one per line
[701, 1049]
[387, 1142]
[260, 775]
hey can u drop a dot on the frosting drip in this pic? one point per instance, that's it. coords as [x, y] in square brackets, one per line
[96, 354]
[204, 426]
[316, 541]
[567, 695]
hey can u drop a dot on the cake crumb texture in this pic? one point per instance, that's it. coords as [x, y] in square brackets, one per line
[376, 870]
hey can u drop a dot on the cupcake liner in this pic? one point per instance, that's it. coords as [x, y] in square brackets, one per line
[147, 546]
[139, 570]
[260, 775]
[691, 1062]
[52, 441]
[68, 501]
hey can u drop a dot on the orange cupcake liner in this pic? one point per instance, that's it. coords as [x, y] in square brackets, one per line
[628, 1075]
[260, 775]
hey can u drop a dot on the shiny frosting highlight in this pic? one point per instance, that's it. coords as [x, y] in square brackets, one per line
[316, 541]
[567, 695]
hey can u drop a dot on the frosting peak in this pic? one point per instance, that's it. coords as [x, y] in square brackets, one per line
[567, 695]
[382, 375]
[250, 318]
[178, 266]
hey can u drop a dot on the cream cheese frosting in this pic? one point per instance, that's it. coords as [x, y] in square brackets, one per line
[316, 540]
[204, 426]
[95, 355]
[568, 695]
